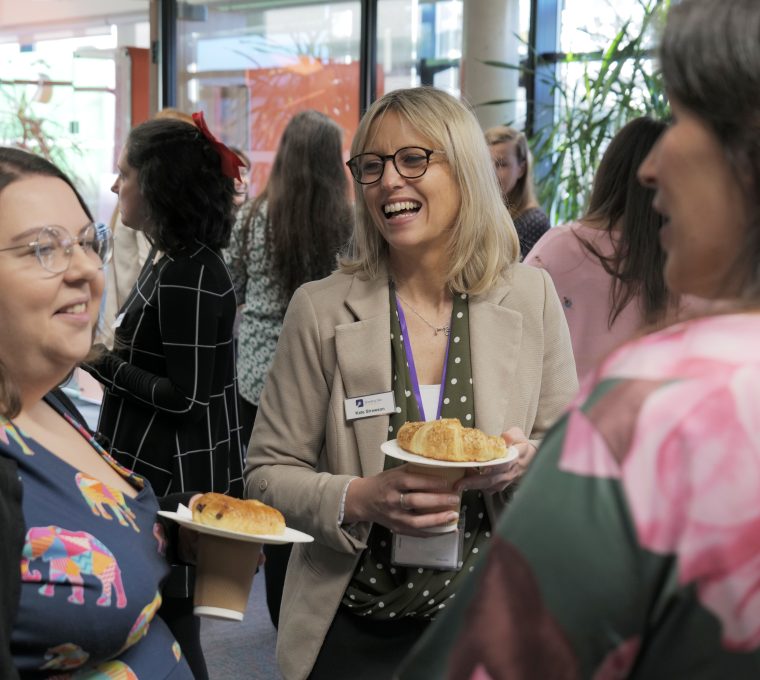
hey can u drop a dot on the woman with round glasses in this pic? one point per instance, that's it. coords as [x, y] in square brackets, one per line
[428, 317]
[170, 400]
[82, 530]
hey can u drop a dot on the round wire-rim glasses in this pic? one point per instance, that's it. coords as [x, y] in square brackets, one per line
[53, 247]
[410, 162]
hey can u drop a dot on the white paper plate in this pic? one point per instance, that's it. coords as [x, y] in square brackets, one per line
[290, 535]
[392, 449]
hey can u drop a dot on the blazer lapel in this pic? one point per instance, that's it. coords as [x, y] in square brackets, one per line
[495, 337]
[363, 350]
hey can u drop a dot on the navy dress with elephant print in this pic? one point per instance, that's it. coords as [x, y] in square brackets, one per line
[91, 567]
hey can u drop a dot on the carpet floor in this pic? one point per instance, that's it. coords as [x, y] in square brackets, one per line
[244, 650]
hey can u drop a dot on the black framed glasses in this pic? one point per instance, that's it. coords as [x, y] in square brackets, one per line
[410, 162]
[53, 246]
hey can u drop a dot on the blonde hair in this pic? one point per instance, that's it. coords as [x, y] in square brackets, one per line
[483, 241]
[522, 197]
[171, 113]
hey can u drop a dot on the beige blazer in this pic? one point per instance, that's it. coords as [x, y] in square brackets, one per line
[335, 344]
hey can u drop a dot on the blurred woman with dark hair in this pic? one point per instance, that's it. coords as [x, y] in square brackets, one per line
[607, 266]
[289, 234]
[633, 547]
[170, 403]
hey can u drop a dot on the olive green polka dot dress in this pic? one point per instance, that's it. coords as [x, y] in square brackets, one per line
[379, 589]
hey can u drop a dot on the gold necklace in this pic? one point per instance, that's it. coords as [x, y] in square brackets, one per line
[446, 329]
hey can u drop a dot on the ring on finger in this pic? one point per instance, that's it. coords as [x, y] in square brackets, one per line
[401, 502]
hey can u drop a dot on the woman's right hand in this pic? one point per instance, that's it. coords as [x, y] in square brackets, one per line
[404, 502]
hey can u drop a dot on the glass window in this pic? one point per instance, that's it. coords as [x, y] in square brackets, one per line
[590, 25]
[523, 41]
[58, 98]
[251, 65]
[595, 91]
[419, 43]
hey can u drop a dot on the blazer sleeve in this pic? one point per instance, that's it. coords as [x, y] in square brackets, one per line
[189, 317]
[559, 381]
[283, 464]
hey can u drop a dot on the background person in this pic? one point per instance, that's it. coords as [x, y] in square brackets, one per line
[170, 402]
[131, 248]
[241, 183]
[514, 168]
[485, 340]
[93, 555]
[633, 547]
[607, 266]
[289, 234]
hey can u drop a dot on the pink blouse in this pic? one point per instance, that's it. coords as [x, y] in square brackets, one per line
[584, 289]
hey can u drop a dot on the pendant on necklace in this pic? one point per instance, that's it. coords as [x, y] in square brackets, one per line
[443, 329]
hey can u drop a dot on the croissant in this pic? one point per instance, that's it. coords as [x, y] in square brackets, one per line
[446, 439]
[234, 514]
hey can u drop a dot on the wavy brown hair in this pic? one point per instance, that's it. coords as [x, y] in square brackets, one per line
[308, 212]
[181, 184]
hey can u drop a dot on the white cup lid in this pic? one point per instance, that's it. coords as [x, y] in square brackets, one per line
[218, 613]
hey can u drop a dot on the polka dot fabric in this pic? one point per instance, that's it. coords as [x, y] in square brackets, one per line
[530, 227]
[379, 589]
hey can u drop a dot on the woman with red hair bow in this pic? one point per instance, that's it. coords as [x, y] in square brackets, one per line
[170, 402]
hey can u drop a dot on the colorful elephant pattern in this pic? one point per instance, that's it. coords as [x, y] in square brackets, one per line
[101, 497]
[143, 621]
[65, 656]
[9, 433]
[71, 556]
[88, 545]
[110, 670]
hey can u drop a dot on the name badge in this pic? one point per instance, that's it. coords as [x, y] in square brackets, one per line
[118, 321]
[437, 551]
[379, 404]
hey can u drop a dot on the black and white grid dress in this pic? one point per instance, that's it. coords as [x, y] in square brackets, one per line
[170, 403]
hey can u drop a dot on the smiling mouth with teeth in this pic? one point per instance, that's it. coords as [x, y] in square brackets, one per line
[401, 207]
[74, 309]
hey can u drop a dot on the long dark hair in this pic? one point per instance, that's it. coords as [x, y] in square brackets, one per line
[308, 210]
[16, 164]
[187, 198]
[619, 200]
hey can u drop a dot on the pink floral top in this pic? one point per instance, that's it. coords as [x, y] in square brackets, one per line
[632, 549]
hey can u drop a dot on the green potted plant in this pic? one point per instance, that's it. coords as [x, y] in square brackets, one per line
[595, 94]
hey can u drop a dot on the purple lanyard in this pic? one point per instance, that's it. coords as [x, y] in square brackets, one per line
[413, 370]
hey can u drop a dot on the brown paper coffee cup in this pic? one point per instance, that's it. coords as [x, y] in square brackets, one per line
[223, 576]
[449, 475]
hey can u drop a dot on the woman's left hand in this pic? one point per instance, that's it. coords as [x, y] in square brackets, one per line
[496, 478]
